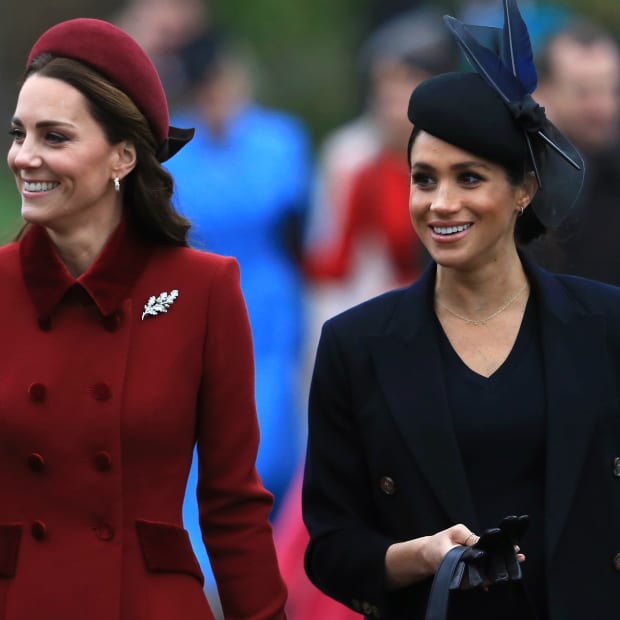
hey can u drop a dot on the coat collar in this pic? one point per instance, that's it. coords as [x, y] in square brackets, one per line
[107, 282]
[408, 364]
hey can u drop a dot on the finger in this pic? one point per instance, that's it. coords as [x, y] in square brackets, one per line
[514, 527]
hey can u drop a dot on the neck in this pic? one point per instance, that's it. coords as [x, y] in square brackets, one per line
[78, 248]
[481, 291]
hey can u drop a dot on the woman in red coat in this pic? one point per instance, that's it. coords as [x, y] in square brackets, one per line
[122, 350]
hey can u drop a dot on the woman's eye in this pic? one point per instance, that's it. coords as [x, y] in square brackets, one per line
[55, 138]
[421, 180]
[16, 134]
[470, 178]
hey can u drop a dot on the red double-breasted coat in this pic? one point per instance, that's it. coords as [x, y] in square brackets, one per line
[100, 409]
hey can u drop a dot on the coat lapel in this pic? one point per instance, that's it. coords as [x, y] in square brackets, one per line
[407, 360]
[572, 340]
[409, 369]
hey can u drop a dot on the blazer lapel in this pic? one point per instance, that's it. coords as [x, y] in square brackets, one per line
[409, 369]
[571, 341]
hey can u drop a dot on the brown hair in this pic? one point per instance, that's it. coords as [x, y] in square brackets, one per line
[149, 186]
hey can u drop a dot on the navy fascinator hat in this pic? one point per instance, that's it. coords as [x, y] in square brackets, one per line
[490, 112]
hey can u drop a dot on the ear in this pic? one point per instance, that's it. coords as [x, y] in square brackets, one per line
[527, 191]
[124, 159]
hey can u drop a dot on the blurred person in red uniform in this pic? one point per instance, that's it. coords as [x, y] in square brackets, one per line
[580, 89]
[123, 350]
[373, 247]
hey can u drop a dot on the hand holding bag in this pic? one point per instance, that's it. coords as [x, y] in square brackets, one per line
[491, 560]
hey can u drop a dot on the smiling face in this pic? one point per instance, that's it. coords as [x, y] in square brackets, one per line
[63, 164]
[463, 208]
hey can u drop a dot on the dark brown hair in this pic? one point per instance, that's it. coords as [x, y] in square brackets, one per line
[149, 186]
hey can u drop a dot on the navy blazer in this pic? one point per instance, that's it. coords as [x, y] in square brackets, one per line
[383, 463]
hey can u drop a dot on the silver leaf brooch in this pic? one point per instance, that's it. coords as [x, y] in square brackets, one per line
[159, 305]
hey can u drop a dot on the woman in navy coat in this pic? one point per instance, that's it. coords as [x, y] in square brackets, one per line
[487, 388]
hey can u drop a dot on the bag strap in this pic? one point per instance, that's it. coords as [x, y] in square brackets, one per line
[437, 607]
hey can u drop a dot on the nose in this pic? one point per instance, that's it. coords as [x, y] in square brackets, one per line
[25, 154]
[445, 199]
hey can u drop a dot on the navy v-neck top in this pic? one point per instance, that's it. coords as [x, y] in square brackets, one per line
[500, 425]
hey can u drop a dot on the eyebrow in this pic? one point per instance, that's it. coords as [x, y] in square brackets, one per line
[463, 165]
[43, 124]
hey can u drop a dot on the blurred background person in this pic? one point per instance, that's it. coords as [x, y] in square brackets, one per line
[243, 184]
[579, 85]
[381, 11]
[165, 29]
[360, 242]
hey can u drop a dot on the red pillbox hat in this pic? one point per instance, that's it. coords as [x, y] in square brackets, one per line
[117, 56]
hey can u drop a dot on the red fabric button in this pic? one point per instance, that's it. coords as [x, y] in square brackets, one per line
[103, 461]
[45, 324]
[38, 530]
[101, 391]
[104, 531]
[111, 322]
[37, 392]
[36, 462]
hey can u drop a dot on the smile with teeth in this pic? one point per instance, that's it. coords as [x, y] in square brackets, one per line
[38, 186]
[450, 230]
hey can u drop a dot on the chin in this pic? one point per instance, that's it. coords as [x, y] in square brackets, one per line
[33, 215]
[448, 258]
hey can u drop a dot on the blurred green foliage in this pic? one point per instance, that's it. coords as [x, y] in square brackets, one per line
[10, 220]
[607, 12]
[305, 51]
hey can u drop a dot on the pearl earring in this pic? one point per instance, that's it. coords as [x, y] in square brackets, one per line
[117, 184]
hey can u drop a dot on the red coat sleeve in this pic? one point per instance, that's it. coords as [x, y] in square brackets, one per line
[233, 505]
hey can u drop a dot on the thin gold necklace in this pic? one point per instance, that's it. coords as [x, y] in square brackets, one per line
[488, 318]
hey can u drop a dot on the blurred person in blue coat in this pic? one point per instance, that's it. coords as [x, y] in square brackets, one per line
[243, 185]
